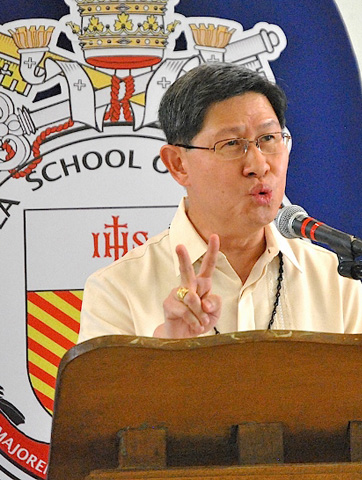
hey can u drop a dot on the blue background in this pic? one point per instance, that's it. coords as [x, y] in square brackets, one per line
[320, 77]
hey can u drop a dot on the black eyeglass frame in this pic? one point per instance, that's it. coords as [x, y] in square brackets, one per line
[256, 142]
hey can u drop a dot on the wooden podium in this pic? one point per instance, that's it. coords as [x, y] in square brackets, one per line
[248, 405]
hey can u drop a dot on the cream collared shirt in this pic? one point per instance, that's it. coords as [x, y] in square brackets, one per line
[126, 297]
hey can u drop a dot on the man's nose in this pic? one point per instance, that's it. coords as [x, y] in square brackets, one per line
[255, 163]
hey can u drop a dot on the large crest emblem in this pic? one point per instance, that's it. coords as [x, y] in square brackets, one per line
[81, 181]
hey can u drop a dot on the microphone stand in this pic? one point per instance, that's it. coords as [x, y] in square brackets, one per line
[348, 263]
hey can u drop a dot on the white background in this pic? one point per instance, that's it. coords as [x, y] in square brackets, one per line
[351, 12]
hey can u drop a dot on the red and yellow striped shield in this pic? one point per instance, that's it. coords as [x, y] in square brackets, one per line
[53, 326]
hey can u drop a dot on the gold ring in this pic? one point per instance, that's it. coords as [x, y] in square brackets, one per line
[181, 293]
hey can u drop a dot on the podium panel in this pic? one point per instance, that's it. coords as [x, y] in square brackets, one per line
[199, 390]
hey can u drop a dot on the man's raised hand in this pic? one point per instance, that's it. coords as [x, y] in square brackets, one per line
[197, 311]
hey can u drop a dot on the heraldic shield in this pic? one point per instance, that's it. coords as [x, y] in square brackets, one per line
[52, 329]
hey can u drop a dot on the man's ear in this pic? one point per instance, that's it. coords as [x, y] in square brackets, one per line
[173, 160]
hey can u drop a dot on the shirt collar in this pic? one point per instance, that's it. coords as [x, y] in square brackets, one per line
[275, 242]
[183, 232]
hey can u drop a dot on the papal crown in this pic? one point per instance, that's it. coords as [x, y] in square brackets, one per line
[122, 34]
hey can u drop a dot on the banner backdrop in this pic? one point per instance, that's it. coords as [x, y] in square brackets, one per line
[81, 182]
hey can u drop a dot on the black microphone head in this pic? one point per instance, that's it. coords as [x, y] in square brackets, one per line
[284, 220]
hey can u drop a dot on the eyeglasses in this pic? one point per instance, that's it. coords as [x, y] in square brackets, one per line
[232, 148]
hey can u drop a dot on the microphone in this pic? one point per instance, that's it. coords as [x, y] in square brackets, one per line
[293, 221]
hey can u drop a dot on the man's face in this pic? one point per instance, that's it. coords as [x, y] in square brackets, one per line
[245, 192]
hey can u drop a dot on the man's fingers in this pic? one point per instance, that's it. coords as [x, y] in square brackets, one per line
[208, 264]
[189, 311]
[209, 261]
[193, 302]
[211, 304]
[188, 277]
[193, 322]
[185, 305]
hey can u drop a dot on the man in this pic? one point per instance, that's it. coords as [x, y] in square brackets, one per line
[222, 266]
